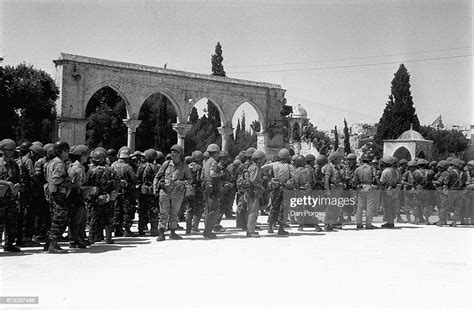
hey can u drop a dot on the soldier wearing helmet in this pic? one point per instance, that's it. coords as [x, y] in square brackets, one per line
[389, 181]
[333, 186]
[347, 176]
[194, 196]
[242, 206]
[422, 197]
[364, 182]
[111, 156]
[26, 216]
[281, 178]
[58, 187]
[255, 190]
[408, 179]
[172, 179]
[226, 185]
[212, 178]
[77, 214]
[124, 210]
[455, 195]
[147, 200]
[9, 184]
[443, 182]
[103, 194]
[232, 175]
[318, 174]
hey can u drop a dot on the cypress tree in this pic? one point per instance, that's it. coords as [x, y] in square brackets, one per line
[216, 61]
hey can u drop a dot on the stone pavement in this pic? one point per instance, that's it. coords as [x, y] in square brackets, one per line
[407, 267]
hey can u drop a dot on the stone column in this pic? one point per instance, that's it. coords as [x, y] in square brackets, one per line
[71, 130]
[181, 130]
[132, 125]
[225, 134]
[262, 141]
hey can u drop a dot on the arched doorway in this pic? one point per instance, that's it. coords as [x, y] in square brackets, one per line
[157, 114]
[421, 154]
[246, 124]
[402, 153]
[105, 112]
[206, 119]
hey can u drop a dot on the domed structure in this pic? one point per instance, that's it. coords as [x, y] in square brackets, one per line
[299, 112]
[409, 145]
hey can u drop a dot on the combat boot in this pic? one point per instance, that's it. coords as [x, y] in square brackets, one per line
[174, 236]
[154, 232]
[318, 228]
[46, 245]
[161, 235]
[282, 231]
[54, 248]
[270, 228]
[11, 248]
[189, 224]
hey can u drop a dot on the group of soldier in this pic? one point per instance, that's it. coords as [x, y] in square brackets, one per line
[45, 189]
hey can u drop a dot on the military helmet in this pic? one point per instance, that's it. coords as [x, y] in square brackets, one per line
[25, 146]
[334, 155]
[61, 146]
[224, 154]
[321, 159]
[236, 162]
[124, 154]
[8, 144]
[351, 156]
[299, 161]
[387, 160]
[249, 152]
[449, 160]
[284, 154]
[422, 162]
[213, 148]
[48, 146]
[395, 160]
[188, 159]
[125, 148]
[258, 154]
[177, 148]
[159, 155]
[197, 155]
[136, 154]
[99, 155]
[403, 161]
[458, 162]
[79, 150]
[470, 163]
[206, 154]
[111, 152]
[150, 154]
[443, 164]
[433, 163]
[37, 143]
[411, 163]
[375, 161]
[168, 157]
[309, 158]
[37, 149]
[365, 158]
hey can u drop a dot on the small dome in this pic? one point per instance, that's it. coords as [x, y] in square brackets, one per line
[299, 112]
[411, 135]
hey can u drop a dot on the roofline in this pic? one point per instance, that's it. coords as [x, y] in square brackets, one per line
[70, 58]
[411, 140]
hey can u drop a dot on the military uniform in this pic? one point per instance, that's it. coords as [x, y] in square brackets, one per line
[252, 196]
[101, 179]
[26, 214]
[212, 175]
[455, 194]
[347, 175]
[389, 180]
[333, 179]
[364, 182]
[241, 211]
[422, 179]
[10, 172]
[408, 187]
[42, 215]
[195, 201]
[78, 213]
[147, 203]
[124, 209]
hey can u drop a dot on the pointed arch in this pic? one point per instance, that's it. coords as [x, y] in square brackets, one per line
[91, 91]
[261, 118]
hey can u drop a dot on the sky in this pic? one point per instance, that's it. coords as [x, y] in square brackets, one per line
[335, 58]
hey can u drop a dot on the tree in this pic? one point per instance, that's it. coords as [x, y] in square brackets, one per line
[105, 112]
[336, 139]
[193, 117]
[216, 61]
[445, 142]
[399, 113]
[27, 103]
[347, 145]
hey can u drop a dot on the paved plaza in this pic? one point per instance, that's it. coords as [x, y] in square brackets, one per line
[407, 267]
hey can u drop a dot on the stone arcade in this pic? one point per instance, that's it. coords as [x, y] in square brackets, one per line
[79, 77]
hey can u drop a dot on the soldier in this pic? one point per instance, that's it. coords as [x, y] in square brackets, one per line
[173, 177]
[57, 190]
[212, 175]
[310, 161]
[349, 188]
[125, 204]
[333, 187]
[232, 174]
[364, 182]
[376, 187]
[111, 157]
[78, 214]
[225, 186]
[101, 179]
[303, 178]
[254, 177]
[408, 180]
[194, 194]
[281, 172]
[318, 174]
[9, 187]
[147, 201]
[423, 179]
[443, 182]
[455, 190]
[389, 181]
[241, 212]
[402, 167]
